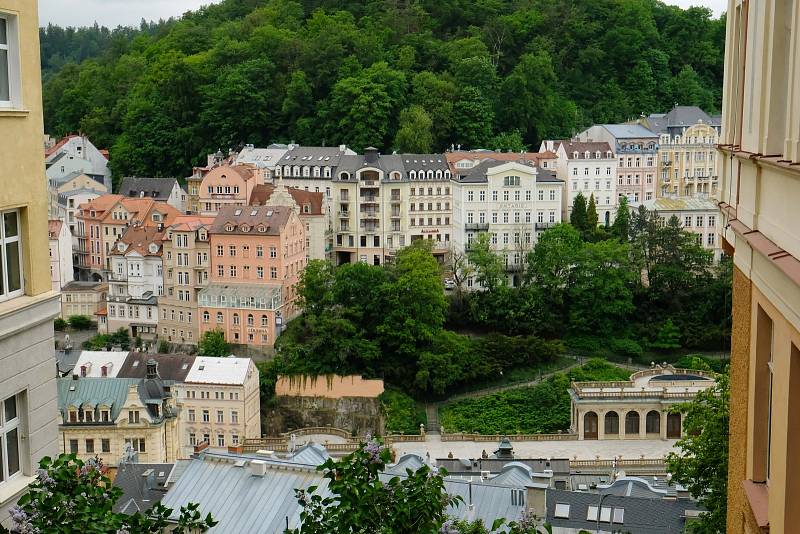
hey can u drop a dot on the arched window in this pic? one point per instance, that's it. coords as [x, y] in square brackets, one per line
[653, 422]
[632, 422]
[612, 423]
[590, 425]
[219, 317]
[439, 174]
[430, 175]
[674, 425]
[412, 175]
[206, 316]
[264, 320]
[236, 318]
[250, 321]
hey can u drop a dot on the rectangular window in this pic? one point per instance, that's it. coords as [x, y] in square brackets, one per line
[133, 416]
[105, 445]
[73, 446]
[8, 61]
[220, 416]
[89, 445]
[206, 416]
[10, 256]
[10, 439]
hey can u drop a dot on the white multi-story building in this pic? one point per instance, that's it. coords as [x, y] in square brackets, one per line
[263, 158]
[136, 281]
[166, 190]
[61, 271]
[589, 168]
[75, 153]
[698, 215]
[512, 202]
[636, 148]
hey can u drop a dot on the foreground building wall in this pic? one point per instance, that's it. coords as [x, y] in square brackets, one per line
[759, 193]
[27, 302]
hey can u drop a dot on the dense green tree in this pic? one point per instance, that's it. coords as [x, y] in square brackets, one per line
[668, 337]
[212, 343]
[701, 462]
[622, 220]
[591, 215]
[508, 142]
[578, 218]
[473, 118]
[315, 287]
[489, 268]
[415, 133]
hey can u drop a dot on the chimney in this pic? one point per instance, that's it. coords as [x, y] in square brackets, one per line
[371, 154]
[258, 467]
[239, 449]
[152, 368]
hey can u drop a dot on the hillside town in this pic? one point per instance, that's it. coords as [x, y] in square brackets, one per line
[411, 298]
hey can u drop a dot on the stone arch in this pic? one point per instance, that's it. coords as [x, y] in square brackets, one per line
[653, 422]
[590, 425]
[632, 423]
[611, 423]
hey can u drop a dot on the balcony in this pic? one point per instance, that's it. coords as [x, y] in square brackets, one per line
[118, 277]
[477, 226]
[369, 199]
[344, 214]
[666, 163]
[545, 225]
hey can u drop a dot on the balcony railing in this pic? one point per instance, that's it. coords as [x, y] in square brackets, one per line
[369, 198]
[476, 226]
[118, 277]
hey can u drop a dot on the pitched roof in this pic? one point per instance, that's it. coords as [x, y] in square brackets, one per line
[679, 117]
[629, 131]
[54, 227]
[640, 516]
[94, 392]
[142, 485]
[95, 359]
[424, 162]
[56, 147]
[267, 157]
[314, 156]
[156, 188]
[262, 192]
[581, 147]
[170, 366]
[249, 220]
[138, 239]
[477, 174]
[529, 157]
[209, 370]
[101, 204]
[189, 223]
[77, 285]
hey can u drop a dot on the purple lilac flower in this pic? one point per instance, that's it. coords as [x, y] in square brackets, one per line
[45, 478]
[21, 522]
[448, 528]
[373, 449]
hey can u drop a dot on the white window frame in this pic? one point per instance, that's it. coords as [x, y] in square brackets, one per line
[7, 427]
[5, 294]
[12, 47]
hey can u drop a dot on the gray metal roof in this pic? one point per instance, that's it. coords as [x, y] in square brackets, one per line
[680, 117]
[157, 188]
[93, 392]
[314, 156]
[477, 174]
[641, 515]
[82, 190]
[386, 163]
[240, 501]
[420, 162]
[142, 485]
[629, 131]
[310, 454]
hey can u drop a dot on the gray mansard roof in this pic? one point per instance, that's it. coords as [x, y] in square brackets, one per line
[156, 188]
[680, 117]
[387, 163]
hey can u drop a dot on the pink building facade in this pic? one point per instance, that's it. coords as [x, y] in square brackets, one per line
[257, 255]
[227, 185]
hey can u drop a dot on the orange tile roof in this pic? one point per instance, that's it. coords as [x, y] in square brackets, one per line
[54, 227]
[532, 157]
[63, 141]
[101, 204]
[138, 238]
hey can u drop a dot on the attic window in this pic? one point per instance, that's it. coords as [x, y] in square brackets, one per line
[237, 212]
[619, 515]
[184, 366]
[202, 367]
[223, 176]
[262, 228]
[253, 213]
[229, 228]
[245, 228]
[306, 208]
[136, 363]
[562, 510]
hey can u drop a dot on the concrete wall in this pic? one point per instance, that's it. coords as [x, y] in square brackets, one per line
[331, 387]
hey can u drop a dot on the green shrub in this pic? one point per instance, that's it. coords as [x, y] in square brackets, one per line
[59, 324]
[163, 347]
[401, 412]
[80, 322]
[544, 408]
[626, 347]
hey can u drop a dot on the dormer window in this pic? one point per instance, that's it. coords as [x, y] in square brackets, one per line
[306, 208]
[105, 416]
[88, 415]
[73, 416]
[245, 228]
[156, 217]
[229, 227]
[262, 228]
[153, 248]
[223, 176]
[84, 371]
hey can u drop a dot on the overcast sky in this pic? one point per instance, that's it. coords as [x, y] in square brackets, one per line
[129, 12]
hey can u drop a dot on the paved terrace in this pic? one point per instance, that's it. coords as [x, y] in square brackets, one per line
[583, 450]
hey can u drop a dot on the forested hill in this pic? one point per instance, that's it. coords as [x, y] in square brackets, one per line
[397, 74]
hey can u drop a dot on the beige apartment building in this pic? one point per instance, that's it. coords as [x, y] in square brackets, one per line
[639, 408]
[759, 194]
[219, 402]
[83, 298]
[186, 265]
[28, 424]
[686, 151]
[118, 419]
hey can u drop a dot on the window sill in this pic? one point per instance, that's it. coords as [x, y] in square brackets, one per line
[758, 498]
[11, 489]
[13, 112]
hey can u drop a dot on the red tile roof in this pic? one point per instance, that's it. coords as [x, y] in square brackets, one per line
[63, 141]
[54, 227]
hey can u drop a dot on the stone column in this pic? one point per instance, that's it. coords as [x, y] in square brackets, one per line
[601, 424]
[642, 424]
[579, 423]
[664, 414]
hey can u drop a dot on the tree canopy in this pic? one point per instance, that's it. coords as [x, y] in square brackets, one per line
[406, 76]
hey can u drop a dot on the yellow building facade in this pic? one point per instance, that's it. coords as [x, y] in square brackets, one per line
[686, 165]
[759, 170]
[28, 427]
